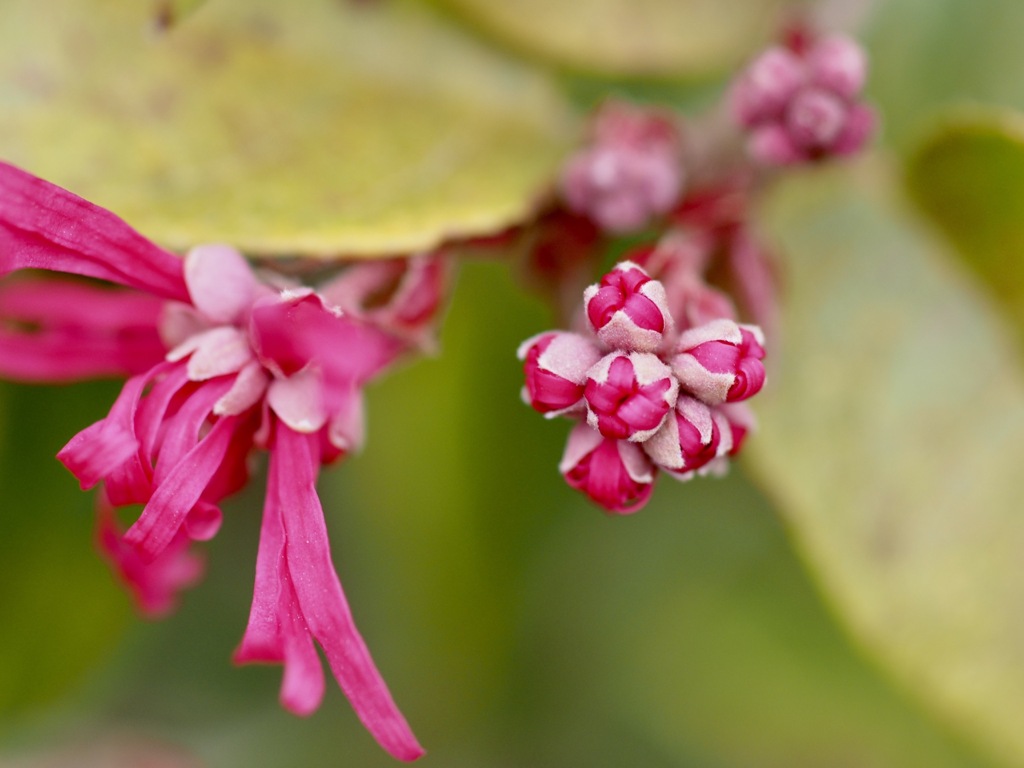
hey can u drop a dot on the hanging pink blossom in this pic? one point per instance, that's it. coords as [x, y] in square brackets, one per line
[244, 364]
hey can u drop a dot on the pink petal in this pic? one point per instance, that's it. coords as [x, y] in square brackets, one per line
[220, 282]
[163, 516]
[290, 332]
[293, 466]
[99, 449]
[45, 227]
[299, 401]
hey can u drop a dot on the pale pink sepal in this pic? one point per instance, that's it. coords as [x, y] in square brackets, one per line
[216, 352]
[248, 388]
[45, 227]
[299, 400]
[347, 428]
[220, 282]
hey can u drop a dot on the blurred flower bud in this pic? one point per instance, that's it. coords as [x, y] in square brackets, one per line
[614, 473]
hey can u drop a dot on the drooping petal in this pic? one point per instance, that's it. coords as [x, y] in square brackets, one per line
[163, 516]
[154, 585]
[58, 330]
[276, 631]
[299, 401]
[293, 466]
[45, 227]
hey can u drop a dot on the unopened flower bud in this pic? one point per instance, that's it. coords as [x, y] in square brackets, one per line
[628, 395]
[556, 365]
[614, 473]
[628, 310]
[838, 64]
[690, 438]
[720, 361]
[764, 90]
[630, 173]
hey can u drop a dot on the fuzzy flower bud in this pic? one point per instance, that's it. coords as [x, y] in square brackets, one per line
[803, 104]
[630, 173]
[556, 366]
[720, 361]
[691, 437]
[614, 473]
[628, 310]
[628, 395]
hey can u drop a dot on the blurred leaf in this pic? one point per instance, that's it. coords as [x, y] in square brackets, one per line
[892, 441]
[968, 175]
[640, 38]
[63, 612]
[167, 13]
[694, 627]
[927, 53]
[308, 127]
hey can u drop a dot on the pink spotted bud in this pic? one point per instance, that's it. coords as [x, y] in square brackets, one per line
[764, 90]
[631, 172]
[628, 310]
[838, 64]
[628, 395]
[720, 361]
[803, 103]
[614, 473]
[694, 435]
[556, 365]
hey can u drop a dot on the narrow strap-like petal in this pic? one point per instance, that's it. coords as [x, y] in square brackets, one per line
[58, 330]
[179, 491]
[293, 467]
[43, 226]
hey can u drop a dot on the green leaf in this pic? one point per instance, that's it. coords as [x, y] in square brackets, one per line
[638, 38]
[892, 440]
[968, 176]
[926, 54]
[310, 127]
[63, 612]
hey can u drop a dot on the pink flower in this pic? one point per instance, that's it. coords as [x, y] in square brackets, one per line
[251, 364]
[656, 399]
[630, 173]
[802, 103]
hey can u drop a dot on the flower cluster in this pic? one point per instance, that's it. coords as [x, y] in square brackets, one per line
[648, 390]
[222, 362]
[630, 172]
[801, 102]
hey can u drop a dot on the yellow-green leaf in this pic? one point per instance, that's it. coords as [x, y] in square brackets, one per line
[312, 127]
[968, 176]
[892, 442]
[653, 38]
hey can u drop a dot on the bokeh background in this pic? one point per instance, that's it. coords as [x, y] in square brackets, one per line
[849, 596]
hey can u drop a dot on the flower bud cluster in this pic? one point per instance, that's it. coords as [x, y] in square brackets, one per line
[801, 102]
[646, 396]
[630, 172]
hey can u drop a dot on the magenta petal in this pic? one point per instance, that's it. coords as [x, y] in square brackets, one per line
[45, 227]
[61, 330]
[99, 449]
[179, 491]
[293, 467]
